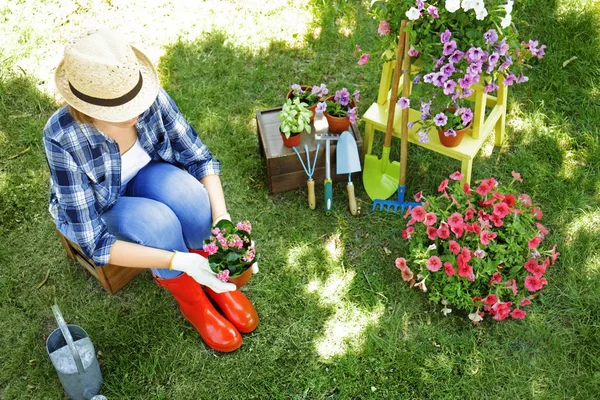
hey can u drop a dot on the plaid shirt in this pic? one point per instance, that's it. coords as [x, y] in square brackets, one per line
[85, 167]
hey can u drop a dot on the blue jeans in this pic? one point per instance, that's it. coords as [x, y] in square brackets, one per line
[162, 207]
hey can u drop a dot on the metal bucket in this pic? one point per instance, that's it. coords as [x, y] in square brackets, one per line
[72, 354]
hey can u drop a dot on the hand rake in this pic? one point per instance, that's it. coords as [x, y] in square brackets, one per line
[309, 172]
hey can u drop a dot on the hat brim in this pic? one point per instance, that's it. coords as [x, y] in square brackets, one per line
[140, 103]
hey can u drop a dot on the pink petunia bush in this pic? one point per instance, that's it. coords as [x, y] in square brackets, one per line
[484, 253]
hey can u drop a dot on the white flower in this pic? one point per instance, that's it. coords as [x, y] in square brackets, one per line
[481, 14]
[509, 6]
[445, 302]
[446, 311]
[468, 5]
[475, 317]
[413, 14]
[430, 248]
[506, 21]
[452, 5]
[421, 285]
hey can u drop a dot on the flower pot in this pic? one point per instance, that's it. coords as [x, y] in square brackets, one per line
[312, 108]
[452, 141]
[241, 280]
[292, 141]
[338, 124]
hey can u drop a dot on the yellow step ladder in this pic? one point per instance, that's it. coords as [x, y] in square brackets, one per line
[376, 118]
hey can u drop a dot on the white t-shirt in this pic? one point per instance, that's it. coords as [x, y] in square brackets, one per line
[132, 161]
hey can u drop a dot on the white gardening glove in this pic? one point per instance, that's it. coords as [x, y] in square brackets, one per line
[197, 267]
[222, 217]
[255, 265]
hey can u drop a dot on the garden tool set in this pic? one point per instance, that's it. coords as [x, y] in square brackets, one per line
[380, 187]
[309, 172]
[322, 133]
[347, 162]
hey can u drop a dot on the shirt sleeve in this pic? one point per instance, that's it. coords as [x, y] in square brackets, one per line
[76, 197]
[188, 149]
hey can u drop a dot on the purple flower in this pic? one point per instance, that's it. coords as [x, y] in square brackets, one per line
[466, 93]
[440, 119]
[433, 11]
[439, 62]
[475, 54]
[522, 78]
[449, 47]
[342, 97]
[490, 87]
[445, 36]
[475, 68]
[320, 90]
[456, 56]
[466, 115]
[493, 58]
[491, 36]
[411, 124]
[384, 28]
[423, 138]
[356, 96]
[507, 63]
[297, 89]
[420, 5]
[425, 107]
[502, 47]
[541, 52]
[403, 102]
[417, 79]
[352, 113]
[429, 77]
[466, 81]
[413, 52]
[439, 79]
[450, 132]
[448, 69]
[449, 87]
[510, 79]
[321, 107]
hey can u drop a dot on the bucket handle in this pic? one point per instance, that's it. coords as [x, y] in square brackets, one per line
[67, 335]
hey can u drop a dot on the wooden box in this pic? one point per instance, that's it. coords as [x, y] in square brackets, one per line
[284, 169]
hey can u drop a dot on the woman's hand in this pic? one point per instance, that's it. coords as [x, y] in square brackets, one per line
[197, 267]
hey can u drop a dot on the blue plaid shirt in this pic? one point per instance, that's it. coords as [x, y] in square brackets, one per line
[85, 167]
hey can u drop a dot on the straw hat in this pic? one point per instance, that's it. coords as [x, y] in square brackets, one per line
[105, 78]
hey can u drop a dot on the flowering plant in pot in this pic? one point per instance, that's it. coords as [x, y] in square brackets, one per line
[231, 251]
[309, 95]
[340, 110]
[479, 250]
[295, 119]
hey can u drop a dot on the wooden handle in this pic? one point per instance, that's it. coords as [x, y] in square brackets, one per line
[351, 199]
[404, 137]
[395, 82]
[311, 194]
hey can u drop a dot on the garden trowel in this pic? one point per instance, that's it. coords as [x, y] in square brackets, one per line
[347, 162]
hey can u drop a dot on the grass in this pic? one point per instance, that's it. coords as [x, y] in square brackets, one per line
[336, 319]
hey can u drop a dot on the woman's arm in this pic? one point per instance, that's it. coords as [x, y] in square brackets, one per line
[133, 255]
[212, 183]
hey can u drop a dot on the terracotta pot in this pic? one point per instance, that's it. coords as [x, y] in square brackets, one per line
[312, 108]
[338, 124]
[292, 141]
[452, 141]
[241, 280]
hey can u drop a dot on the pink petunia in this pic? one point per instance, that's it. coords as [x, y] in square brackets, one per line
[537, 213]
[443, 185]
[518, 314]
[384, 28]
[535, 242]
[407, 274]
[449, 269]
[455, 219]
[485, 236]
[500, 310]
[524, 302]
[554, 254]
[497, 220]
[364, 58]
[467, 189]
[433, 263]
[407, 232]
[430, 219]
[454, 201]
[432, 233]
[525, 199]
[479, 253]
[469, 214]
[454, 247]
[457, 176]
[512, 283]
[484, 188]
[543, 230]
[517, 176]
[458, 230]
[401, 263]
[418, 196]
[501, 209]
[533, 283]
[418, 213]
[444, 230]
[466, 271]
[496, 278]
[531, 266]
[490, 300]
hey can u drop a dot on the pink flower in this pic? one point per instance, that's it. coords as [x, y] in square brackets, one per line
[433, 264]
[418, 196]
[244, 226]
[511, 283]
[432, 233]
[543, 230]
[407, 274]
[518, 314]
[496, 278]
[418, 213]
[466, 271]
[216, 231]
[524, 302]
[430, 219]
[535, 242]
[406, 233]
[449, 269]
[443, 231]
[479, 253]
[223, 276]
[497, 220]
[490, 300]
[211, 248]
[466, 254]
[501, 209]
[401, 263]
[466, 189]
[364, 58]
[554, 254]
[525, 199]
[357, 50]
[413, 52]
[454, 247]
[470, 213]
[484, 188]
[455, 219]
[533, 283]
[443, 185]
[457, 176]
[384, 28]
[456, 203]
[458, 230]
[537, 213]
[500, 310]
[531, 266]
[517, 176]
[485, 236]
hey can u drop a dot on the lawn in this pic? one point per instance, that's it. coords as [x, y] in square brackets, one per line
[337, 321]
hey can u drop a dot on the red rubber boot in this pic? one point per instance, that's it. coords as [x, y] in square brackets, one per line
[237, 309]
[216, 331]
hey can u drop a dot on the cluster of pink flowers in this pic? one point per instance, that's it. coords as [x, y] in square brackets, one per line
[465, 236]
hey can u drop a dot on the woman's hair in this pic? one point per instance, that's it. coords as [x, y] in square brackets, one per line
[80, 117]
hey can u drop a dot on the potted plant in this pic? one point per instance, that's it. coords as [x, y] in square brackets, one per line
[309, 95]
[231, 251]
[477, 250]
[295, 119]
[341, 110]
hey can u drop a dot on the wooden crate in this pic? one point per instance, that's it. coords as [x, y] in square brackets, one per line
[284, 170]
[111, 277]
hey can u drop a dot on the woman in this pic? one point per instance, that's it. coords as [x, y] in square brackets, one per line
[133, 185]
